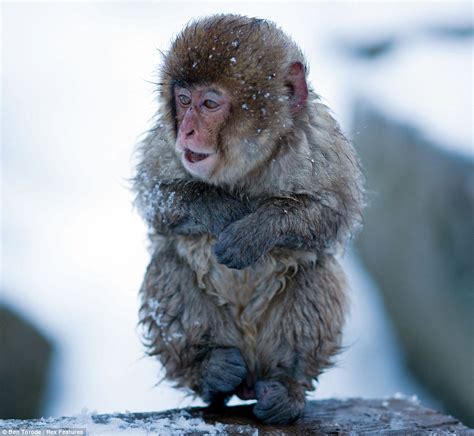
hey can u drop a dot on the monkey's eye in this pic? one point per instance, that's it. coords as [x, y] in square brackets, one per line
[210, 104]
[184, 99]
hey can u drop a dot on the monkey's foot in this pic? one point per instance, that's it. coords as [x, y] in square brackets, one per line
[224, 370]
[275, 404]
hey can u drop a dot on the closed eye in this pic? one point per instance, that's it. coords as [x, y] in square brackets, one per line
[184, 99]
[210, 104]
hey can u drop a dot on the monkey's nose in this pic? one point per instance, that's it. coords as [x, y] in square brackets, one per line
[190, 133]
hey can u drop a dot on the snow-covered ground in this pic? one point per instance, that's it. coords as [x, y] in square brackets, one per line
[76, 94]
[177, 424]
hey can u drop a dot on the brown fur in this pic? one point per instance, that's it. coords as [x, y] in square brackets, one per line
[288, 197]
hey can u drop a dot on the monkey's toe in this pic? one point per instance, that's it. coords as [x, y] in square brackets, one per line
[222, 373]
[275, 404]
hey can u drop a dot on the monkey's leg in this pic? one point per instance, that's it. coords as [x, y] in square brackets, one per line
[191, 335]
[299, 335]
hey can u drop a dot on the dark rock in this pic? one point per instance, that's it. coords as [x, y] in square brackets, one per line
[24, 363]
[417, 244]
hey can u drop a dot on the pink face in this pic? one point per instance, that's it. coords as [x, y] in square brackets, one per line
[201, 113]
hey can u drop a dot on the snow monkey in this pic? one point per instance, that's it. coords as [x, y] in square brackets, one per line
[250, 190]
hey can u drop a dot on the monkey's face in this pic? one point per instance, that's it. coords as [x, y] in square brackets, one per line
[230, 89]
[201, 113]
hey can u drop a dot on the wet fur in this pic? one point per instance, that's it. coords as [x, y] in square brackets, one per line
[246, 260]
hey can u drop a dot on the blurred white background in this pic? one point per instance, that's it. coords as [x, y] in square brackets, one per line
[77, 93]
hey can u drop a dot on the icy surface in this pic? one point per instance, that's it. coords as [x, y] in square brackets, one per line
[75, 97]
[181, 423]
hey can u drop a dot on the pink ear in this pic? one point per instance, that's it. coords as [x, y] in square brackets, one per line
[296, 81]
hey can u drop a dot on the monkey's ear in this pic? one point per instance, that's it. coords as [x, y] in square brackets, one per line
[296, 83]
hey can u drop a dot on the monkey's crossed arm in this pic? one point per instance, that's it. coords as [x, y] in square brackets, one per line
[194, 207]
[300, 221]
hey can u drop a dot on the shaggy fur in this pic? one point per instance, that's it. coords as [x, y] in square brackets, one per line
[244, 261]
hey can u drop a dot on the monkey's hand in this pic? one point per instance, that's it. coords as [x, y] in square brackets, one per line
[294, 222]
[242, 243]
[222, 210]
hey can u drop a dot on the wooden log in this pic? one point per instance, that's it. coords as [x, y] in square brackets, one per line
[394, 416]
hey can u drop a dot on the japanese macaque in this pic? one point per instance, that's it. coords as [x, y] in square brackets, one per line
[250, 190]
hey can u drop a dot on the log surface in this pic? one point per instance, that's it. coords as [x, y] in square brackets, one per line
[394, 416]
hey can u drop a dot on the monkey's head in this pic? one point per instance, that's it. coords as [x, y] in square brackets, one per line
[231, 89]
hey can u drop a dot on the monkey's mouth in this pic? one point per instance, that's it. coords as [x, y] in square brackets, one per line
[193, 157]
[198, 164]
